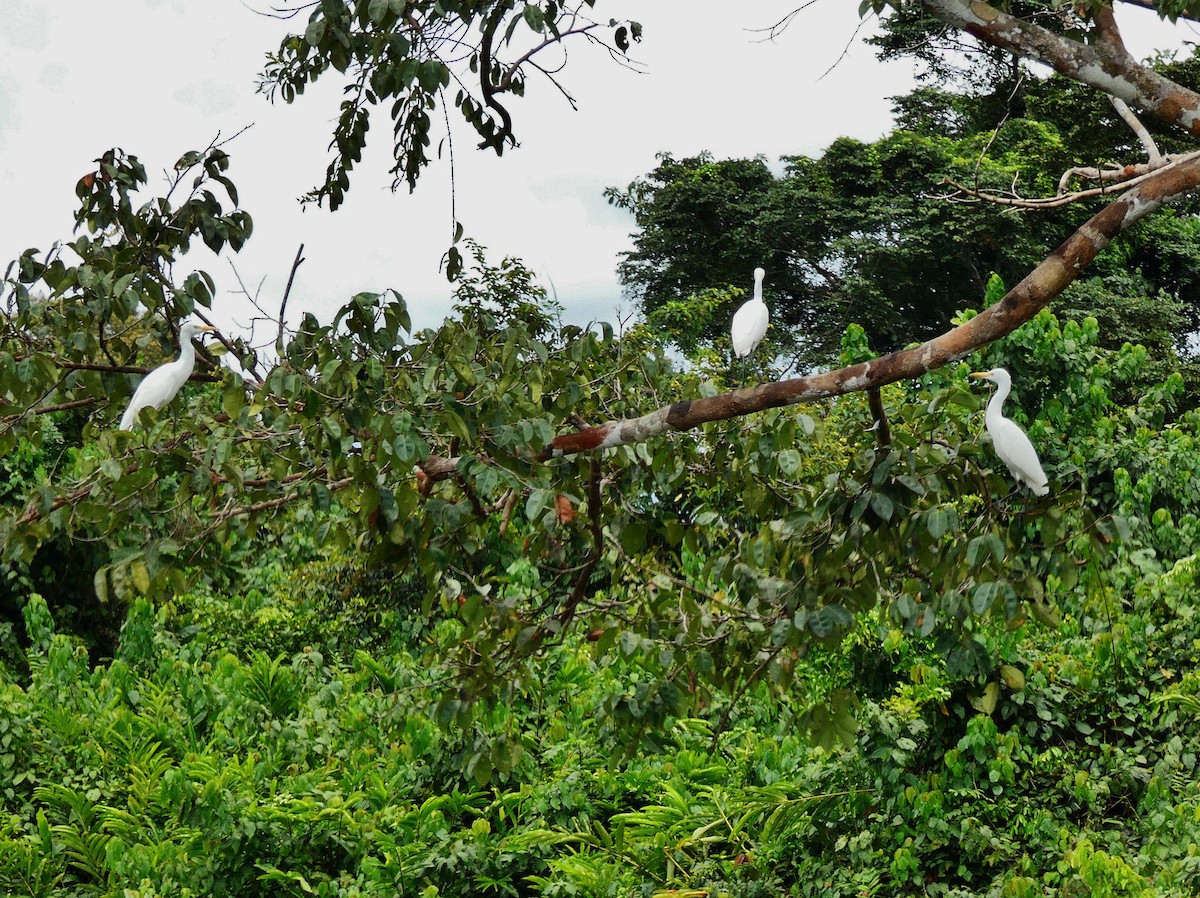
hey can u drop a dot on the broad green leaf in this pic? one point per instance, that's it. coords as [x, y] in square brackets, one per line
[937, 522]
[534, 18]
[789, 462]
[233, 400]
[539, 500]
[828, 619]
[100, 584]
[1012, 677]
[633, 537]
[986, 701]
[882, 505]
[458, 427]
[984, 597]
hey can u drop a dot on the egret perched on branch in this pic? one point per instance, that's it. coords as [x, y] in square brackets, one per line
[1009, 440]
[750, 321]
[160, 385]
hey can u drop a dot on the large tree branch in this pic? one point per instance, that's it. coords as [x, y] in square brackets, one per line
[1104, 65]
[1020, 304]
[1154, 157]
[1107, 30]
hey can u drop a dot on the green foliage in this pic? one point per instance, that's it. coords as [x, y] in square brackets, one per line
[407, 54]
[338, 424]
[841, 237]
[376, 640]
[286, 605]
[184, 769]
[761, 539]
[866, 235]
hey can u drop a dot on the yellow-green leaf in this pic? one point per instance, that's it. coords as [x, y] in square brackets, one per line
[986, 702]
[1012, 677]
[141, 576]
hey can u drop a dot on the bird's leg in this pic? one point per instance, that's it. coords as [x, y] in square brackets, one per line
[750, 365]
[1017, 493]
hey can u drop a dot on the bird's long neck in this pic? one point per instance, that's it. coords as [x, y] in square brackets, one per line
[187, 354]
[997, 401]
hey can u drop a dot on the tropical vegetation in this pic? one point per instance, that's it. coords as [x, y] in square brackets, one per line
[518, 607]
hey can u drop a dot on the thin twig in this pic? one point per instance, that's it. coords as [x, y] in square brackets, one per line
[845, 49]
[753, 678]
[1129, 176]
[272, 503]
[104, 342]
[252, 297]
[33, 513]
[283, 304]
[996, 130]
[127, 369]
[567, 614]
[46, 409]
[224, 341]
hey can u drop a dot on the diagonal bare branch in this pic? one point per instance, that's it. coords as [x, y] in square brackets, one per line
[1104, 65]
[1154, 157]
[1020, 304]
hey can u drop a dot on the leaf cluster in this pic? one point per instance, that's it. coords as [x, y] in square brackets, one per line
[875, 234]
[181, 767]
[409, 54]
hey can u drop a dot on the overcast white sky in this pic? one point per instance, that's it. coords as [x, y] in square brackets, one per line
[159, 77]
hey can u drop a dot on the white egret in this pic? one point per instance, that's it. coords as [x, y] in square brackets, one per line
[1009, 440]
[751, 320]
[160, 385]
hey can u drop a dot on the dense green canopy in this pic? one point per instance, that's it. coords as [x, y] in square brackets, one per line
[878, 234]
[511, 606]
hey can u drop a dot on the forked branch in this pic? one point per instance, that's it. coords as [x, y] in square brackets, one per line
[1020, 304]
[1126, 177]
[1017, 306]
[1104, 65]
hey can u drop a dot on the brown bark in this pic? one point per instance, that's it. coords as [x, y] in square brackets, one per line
[1020, 304]
[1105, 65]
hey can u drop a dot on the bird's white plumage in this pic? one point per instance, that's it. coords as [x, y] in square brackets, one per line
[751, 320]
[1009, 440]
[160, 385]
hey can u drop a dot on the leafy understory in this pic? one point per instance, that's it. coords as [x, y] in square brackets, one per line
[510, 606]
